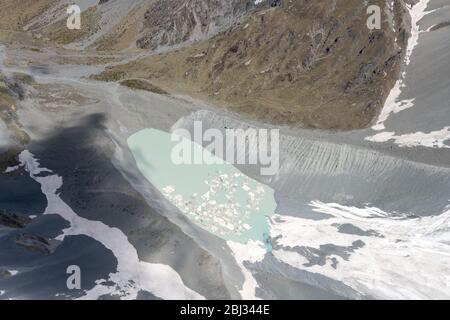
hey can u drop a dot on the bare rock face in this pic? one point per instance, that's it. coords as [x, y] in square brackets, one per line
[12, 220]
[34, 242]
[170, 22]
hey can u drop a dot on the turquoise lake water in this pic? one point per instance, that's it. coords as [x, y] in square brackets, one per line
[216, 197]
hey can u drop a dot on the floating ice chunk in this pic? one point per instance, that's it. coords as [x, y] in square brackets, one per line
[168, 189]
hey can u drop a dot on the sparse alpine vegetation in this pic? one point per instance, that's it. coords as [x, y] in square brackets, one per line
[302, 63]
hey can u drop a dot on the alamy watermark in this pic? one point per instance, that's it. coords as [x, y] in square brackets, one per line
[234, 146]
[74, 20]
[374, 19]
[74, 280]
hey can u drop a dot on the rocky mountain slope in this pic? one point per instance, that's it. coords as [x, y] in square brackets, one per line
[170, 22]
[145, 24]
[312, 64]
[303, 63]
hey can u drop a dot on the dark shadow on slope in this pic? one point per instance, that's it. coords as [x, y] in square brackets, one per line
[96, 190]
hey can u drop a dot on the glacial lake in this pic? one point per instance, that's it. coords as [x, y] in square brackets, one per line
[216, 197]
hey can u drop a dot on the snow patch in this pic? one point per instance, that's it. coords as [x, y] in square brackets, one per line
[252, 252]
[11, 169]
[13, 272]
[393, 103]
[434, 139]
[132, 275]
[407, 258]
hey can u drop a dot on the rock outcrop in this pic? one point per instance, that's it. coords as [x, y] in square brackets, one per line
[13, 220]
[171, 22]
[34, 242]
